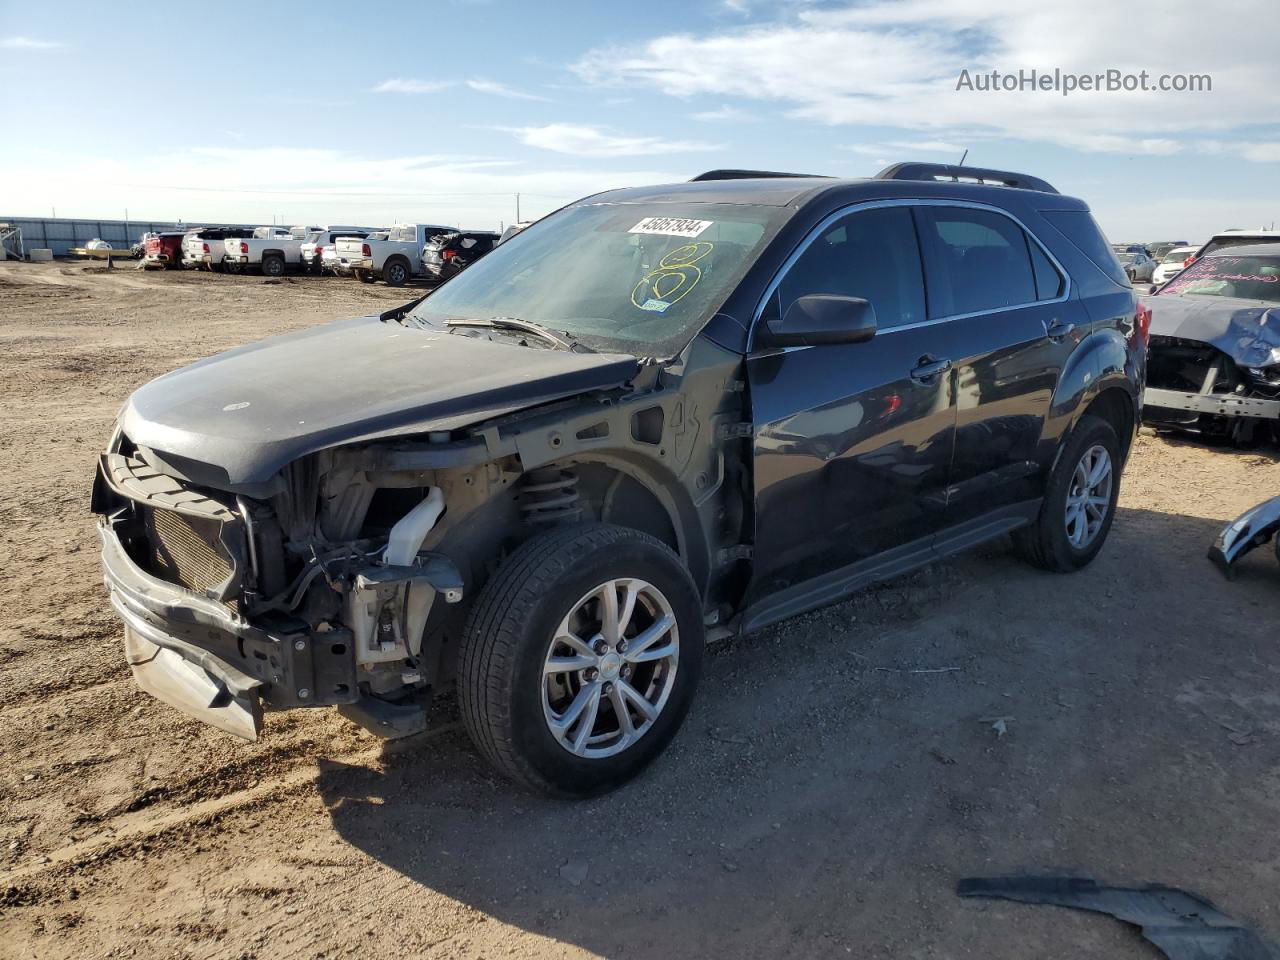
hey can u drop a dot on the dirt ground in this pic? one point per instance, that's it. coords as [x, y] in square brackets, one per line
[836, 777]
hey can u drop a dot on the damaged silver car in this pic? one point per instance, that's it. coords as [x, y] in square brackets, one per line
[1214, 362]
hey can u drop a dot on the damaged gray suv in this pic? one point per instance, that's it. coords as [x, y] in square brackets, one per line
[656, 416]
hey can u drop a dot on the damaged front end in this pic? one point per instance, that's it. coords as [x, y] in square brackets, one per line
[292, 599]
[1213, 367]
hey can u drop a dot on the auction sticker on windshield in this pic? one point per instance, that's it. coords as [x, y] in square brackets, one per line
[671, 226]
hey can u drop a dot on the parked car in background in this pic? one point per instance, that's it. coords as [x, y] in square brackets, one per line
[1175, 258]
[315, 245]
[397, 259]
[272, 250]
[707, 405]
[139, 249]
[1160, 249]
[448, 254]
[1137, 266]
[1214, 363]
[203, 247]
[1235, 238]
[163, 250]
[512, 230]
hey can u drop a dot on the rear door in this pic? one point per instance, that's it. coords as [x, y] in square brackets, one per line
[852, 441]
[1013, 328]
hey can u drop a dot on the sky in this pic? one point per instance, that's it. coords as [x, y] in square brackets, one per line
[374, 113]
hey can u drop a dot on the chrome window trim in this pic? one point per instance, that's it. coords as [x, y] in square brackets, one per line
[844, 211]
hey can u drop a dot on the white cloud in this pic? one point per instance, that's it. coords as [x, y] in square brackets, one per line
[895, 65]
[725, 113]
[586, 141]
[879, 149]
[307, 185]
[502, 90]
[28, 43]
[399, 85]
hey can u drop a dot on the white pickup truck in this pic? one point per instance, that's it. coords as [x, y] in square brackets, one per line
[318, 244]
[396, 259]
[273, 250]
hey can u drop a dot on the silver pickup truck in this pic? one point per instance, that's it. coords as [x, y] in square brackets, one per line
[397, 259]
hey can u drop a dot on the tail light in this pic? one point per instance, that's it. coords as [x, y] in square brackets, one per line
[206, 247]
[244, 247]
[1189, 261]
[1142, 324]
[319, 250]
[448, 254]
[365, 250]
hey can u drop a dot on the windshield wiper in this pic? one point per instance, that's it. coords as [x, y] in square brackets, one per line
[562, 340]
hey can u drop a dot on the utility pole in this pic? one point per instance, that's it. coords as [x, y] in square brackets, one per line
[517, 208]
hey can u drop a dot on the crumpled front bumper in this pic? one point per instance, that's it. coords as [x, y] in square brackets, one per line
[198, 656]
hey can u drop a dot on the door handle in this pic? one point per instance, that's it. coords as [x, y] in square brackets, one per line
[1057, 330]
[929, 369]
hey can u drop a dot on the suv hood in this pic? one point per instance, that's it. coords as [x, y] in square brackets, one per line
[1245, 330]
[252, 410]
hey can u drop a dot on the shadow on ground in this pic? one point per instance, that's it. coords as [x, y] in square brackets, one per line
[822, 799]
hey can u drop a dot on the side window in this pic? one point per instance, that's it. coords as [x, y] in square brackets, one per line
[978, 260]
[872, 254]
[1048, 279]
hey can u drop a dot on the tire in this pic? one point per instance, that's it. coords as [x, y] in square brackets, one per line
[509, 702]
[272, 266]
[396, 273]
[364, 277]
[1047, 543]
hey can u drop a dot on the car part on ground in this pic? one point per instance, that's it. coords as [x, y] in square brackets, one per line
[1214, 363]
[542, 483]
[1182, 925]
[1250, 530]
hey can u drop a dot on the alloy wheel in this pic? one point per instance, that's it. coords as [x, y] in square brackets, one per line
[610, 668]
[1089, 496]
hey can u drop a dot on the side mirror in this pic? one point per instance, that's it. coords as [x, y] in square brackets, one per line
[824, 318]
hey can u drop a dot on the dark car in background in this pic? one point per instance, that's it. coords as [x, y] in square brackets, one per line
[1214, 363]
[448, 254]
[656, 413]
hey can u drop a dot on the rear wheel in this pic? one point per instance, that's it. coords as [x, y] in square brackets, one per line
[396, 273]
[580, 658]
[1079, 502]
[273, 266]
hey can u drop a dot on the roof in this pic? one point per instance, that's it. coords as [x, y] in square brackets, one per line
[795, 191]
[1248, 250]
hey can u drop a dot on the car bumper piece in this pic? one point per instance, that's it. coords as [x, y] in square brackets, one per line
[1251, 529]
[1224, 405]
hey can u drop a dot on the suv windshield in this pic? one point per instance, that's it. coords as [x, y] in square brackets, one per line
[1247, 278]
[640, 278]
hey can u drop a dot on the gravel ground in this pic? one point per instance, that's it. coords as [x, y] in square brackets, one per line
[837, 775]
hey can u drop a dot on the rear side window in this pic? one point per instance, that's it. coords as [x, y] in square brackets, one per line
[1085, 234]
[873, 255]
[1048, 279]
[978, 261]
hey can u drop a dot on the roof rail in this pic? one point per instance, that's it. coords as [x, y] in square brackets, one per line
[749, 175]
[946, 171]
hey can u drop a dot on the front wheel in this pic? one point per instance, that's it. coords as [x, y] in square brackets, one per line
[580, 658]
[1079, 502]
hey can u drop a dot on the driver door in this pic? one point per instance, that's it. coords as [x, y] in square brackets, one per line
[853, 442]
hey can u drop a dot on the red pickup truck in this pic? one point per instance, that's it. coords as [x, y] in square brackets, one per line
[163, 250]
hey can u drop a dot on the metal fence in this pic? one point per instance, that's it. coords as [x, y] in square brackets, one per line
[61, 234]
